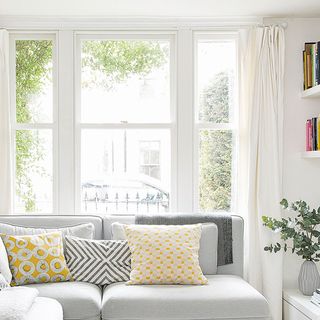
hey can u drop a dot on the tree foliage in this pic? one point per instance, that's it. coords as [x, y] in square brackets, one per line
[115, 61]
[302, 230]
[32, 59]
[215, 99]
[215, 146]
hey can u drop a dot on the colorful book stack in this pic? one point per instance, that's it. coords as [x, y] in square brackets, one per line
[313, 134]
[311, 69]
[316, 297]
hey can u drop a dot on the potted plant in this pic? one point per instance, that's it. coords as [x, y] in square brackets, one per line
[304, 238]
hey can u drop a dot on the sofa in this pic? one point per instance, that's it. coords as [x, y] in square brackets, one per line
[50, 307]
[227, 296]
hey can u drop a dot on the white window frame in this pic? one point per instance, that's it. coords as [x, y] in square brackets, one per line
[66, 124]
[38, 35]
[231, 126]
[171, 126]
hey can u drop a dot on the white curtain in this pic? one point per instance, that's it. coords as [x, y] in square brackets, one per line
[5, 140]
[261, 122]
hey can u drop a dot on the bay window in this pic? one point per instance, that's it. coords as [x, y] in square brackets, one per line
[124, 122]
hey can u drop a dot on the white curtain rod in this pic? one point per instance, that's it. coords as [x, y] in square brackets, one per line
[282, 24]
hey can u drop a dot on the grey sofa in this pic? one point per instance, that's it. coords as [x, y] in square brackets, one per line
[226, 297]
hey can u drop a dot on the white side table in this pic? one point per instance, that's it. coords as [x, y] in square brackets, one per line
[296, 306]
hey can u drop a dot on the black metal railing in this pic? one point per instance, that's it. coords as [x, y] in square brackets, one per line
[124, 203]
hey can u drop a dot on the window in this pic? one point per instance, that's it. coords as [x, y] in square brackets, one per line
[125, 81]
[33, 122]
[150, 158]
[215, 100]
[117, 122]
[125, 109]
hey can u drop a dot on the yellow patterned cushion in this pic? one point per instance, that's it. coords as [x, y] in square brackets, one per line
[165, 254]
[36, 258]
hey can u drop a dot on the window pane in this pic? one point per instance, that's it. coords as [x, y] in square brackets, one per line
[33, 171]
[116, 173]
[215, 81]
[215, 168]
[125, 81]
[34, 81]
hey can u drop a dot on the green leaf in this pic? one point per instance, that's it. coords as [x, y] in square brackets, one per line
[284, 203]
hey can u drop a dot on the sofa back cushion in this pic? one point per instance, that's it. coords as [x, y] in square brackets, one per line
[54, 222]
[83, 230]
[4, 263]
[4, 284]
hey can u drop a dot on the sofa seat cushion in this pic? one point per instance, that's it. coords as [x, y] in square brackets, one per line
[225, 297]
[79, 300]
[45, 308]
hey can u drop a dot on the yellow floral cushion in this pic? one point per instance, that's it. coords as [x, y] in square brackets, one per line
[36, 258]
[165, 254]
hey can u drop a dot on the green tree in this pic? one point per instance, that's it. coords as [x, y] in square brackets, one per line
[116, 61]
[216, 146]
[32, 59]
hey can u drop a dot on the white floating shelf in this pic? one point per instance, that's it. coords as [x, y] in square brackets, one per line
[310, 154]
[313, 92]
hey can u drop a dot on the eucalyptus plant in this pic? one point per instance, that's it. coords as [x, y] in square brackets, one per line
[302, 229]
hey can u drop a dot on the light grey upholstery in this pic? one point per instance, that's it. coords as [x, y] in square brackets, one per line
[45, 308]
[60, 221]
[225, 297]
[79, 300]
[235, 268]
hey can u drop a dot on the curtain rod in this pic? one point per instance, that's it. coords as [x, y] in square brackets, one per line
[284, 25]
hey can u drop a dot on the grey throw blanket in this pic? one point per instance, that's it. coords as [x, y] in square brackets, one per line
[223, 222]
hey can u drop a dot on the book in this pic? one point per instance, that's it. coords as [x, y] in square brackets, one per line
[318, 63]
[314, 64]
[308, 135]
[304, 56]
[315, 302]
[318, 133]
[314, 134]
[316, 297]
[308, 47]
[309, 72]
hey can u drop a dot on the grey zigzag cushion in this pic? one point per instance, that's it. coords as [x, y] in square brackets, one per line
[98, 261]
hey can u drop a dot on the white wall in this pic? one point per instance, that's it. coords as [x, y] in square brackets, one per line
[165, 8]
[301, 177]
